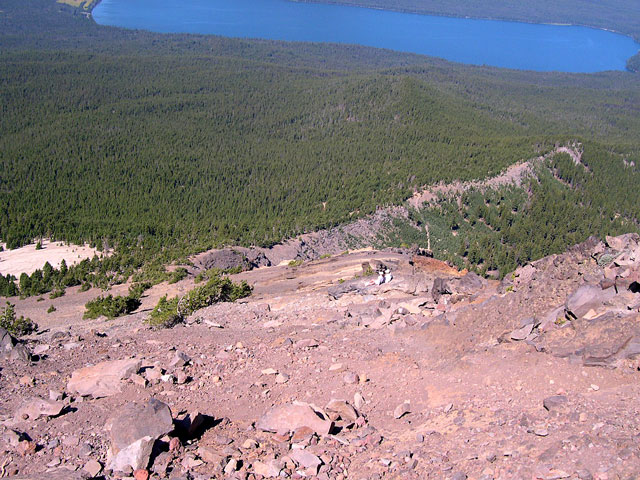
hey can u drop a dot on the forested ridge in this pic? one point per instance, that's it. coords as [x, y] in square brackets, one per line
[176, 143]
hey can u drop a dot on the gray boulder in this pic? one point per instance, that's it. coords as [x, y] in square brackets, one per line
[337, 291]
[440, 287]
[468, 284]
[586, 298]
[12, 349]
[555, 402]
[39, 407]
[133, 433]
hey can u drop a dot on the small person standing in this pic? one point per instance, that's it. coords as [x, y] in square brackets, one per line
[387, 275]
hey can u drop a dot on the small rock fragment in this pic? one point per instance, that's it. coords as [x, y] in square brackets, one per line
[93, 468]
[350, 378]
[522, 333]
[555, 402]
[141, 474]
[402, 410]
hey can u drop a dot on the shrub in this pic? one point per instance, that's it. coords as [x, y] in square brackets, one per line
[51, 309]
[110, 306]
[58, 292]
[217, 289]
[137, 289]
[165, 314]
[15, 326]
[179, 274]
[295, 263]
[369, 271]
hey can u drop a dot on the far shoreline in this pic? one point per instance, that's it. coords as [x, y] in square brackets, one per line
[505, 63]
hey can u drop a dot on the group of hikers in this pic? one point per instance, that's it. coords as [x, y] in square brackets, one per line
[384, 276]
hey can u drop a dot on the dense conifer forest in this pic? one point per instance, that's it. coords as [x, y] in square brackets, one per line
[163, 145]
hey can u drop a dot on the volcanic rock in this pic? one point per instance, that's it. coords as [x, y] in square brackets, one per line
[12, 349]
[103, 379]
[289, 417]
[134, 431]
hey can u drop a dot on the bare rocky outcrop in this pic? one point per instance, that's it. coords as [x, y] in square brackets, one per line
[532, 377]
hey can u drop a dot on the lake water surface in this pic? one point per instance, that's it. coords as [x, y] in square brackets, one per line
[479, 42]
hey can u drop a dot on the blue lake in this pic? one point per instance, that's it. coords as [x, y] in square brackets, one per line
[480, 42]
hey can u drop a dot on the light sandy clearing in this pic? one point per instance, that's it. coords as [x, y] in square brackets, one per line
[27, 259]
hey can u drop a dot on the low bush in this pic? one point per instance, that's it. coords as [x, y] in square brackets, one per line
[179, 274]
[58, 292]
[165, 314]
[137, 289]
[110, 306]
[217, 289]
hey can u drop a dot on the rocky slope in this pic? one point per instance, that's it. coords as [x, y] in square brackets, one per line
[322, 374]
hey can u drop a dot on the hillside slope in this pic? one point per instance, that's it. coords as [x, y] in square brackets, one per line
[172, 144]
[436, 374]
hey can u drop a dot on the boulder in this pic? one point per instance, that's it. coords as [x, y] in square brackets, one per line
[12, 349]
[340, 409]
[39, 407]
[306, 460]
[628, 348]
[134, 431]
[341, 289]
[586, 298]
[269, 469]
[468, 284]
[440, 287]
[291, 416]
[103, 379]
[623, 242]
